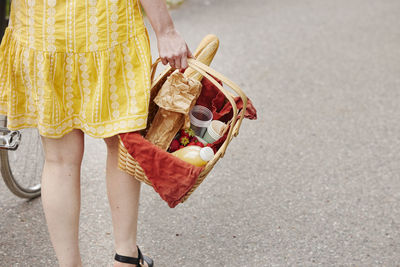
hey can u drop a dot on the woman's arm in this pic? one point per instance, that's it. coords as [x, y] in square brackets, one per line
[172, 48]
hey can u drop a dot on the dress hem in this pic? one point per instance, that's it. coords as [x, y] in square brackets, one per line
[110, 129]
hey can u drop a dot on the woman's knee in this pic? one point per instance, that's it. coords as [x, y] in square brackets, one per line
[65, 150]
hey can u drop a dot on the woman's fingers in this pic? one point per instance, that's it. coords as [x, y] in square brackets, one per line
[171, 62]
[183, 59]
[184, 63]
[178, 61]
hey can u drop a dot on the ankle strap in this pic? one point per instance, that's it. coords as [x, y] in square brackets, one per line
[131, 260]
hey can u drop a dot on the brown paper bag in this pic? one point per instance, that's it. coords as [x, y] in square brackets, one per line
[175, 99]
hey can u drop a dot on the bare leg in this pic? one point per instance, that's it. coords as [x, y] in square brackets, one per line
[123, 194]
[61, 194]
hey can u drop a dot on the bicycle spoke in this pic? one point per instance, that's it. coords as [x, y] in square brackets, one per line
[27, 161]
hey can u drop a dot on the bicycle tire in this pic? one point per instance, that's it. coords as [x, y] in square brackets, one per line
[11, 181]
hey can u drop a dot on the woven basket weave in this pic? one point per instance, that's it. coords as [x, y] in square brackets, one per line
[128, 164]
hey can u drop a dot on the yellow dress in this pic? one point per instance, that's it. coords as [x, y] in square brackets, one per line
[75, 64]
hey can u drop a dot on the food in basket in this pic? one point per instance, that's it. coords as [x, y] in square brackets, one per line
[195, 155]
[175, 145]
[175, 99]
[201, 140]
[188, 131]
[184, 140]
[200, 119]
[215, 131]
[185, 137]
[195, 143]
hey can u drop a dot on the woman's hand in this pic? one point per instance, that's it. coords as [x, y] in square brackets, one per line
[173, 49]
[171, 46]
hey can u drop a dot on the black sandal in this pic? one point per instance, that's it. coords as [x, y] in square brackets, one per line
[139, 260]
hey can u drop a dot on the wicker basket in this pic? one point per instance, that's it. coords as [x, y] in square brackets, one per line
[128, 164]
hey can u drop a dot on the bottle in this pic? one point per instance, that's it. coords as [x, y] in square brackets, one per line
[195, 155]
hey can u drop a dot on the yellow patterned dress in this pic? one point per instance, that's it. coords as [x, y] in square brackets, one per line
[75, 64]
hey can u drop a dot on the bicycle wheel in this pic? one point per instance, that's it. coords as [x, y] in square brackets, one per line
[22, 168]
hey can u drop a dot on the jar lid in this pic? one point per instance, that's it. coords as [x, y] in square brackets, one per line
[206, 153]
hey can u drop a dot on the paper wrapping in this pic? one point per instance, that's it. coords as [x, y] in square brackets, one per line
[175, 99]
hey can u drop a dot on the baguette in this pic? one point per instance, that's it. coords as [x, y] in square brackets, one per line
[204, 53]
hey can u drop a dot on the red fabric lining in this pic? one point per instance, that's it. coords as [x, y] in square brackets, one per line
[212, 98]
[171, 177]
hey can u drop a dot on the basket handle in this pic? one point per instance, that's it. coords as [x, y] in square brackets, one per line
[153, 68]
[228, 82]
[203, 72]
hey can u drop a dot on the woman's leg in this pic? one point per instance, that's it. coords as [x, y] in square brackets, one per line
[123, 194]
[61, 194]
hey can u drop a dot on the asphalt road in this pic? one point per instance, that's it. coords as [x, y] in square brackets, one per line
[314, 181]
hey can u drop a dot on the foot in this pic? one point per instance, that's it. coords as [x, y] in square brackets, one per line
[131, 260]
[121, 264]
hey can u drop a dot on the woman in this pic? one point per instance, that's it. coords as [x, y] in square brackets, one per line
[70, 67]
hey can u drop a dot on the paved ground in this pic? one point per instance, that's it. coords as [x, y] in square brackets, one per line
[315, 181]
